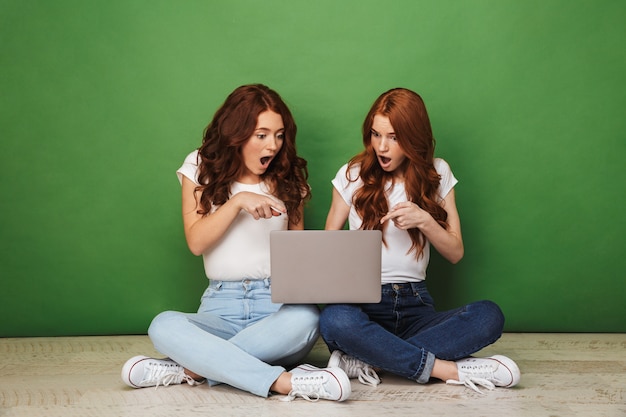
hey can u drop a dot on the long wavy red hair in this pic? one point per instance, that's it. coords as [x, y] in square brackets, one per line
[221, 162]
[408, 116]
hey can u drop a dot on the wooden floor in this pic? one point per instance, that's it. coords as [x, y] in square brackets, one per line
[562, 375]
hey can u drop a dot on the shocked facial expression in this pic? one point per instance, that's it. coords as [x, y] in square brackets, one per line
[390, 155]
[265, 142]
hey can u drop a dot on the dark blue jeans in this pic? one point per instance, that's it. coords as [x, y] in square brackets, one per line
[403, 334]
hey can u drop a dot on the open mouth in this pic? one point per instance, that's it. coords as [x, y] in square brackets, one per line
[265, 160]
[384, 159]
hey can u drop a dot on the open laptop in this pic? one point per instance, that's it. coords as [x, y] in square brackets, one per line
[326, 266]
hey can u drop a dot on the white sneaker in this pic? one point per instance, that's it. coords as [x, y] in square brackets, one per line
[313, 383]
[354, 368]
[491, 372]
[142, 372]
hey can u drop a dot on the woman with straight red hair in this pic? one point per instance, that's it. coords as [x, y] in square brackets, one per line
[397, 185]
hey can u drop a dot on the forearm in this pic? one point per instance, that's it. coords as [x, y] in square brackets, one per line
[448, 243]
[202, 232]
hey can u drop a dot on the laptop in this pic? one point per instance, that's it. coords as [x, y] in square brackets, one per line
[326, 266]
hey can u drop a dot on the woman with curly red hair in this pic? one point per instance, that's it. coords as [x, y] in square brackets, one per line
[244, 181]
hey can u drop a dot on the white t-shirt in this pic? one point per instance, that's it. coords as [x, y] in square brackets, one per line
[244, 250]
[397, 264]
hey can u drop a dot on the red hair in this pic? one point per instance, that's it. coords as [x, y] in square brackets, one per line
[221, 162]
[408, 116]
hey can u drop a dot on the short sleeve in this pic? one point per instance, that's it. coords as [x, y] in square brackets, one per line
[343, 186]
[189, 168]
[448, 180]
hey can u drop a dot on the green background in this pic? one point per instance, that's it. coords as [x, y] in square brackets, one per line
[100, 101]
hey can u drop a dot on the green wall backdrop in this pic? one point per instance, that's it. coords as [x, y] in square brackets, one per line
[100, 101]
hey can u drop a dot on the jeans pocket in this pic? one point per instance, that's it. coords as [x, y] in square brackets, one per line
[209, 293]
[423, 297]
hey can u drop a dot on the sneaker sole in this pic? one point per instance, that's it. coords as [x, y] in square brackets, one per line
[128, 368]
[511, 367]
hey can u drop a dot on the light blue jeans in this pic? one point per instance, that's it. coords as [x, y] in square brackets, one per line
[238, 336]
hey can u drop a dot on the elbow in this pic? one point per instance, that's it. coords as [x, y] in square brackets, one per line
[455, 258]
[195, 251]
[195, 248]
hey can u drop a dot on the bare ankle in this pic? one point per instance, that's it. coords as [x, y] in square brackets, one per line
[193, 375]
[282, 385]
[445, 370]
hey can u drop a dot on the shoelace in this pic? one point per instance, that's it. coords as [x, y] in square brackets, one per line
[368, 376]
[166, 374]
[364, 372]
[471, 382]
[474, 375]
[307, 387]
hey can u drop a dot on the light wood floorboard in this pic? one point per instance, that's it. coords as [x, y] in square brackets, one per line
[562, 375]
